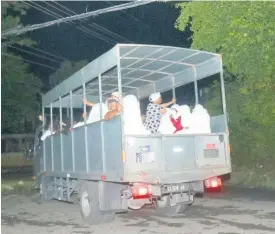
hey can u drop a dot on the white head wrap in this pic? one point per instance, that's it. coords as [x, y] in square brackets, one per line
[116, 94]
[154, 97]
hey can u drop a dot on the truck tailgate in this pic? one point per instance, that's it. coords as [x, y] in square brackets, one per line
[167, 156]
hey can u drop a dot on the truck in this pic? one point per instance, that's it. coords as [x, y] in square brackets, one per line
[99, 166]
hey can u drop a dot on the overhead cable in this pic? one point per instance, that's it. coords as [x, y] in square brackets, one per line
[19, 30]
[35, 54]
[93, 25]
[40, 64]
[58, 16]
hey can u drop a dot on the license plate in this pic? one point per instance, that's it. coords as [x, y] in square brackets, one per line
[174, 188]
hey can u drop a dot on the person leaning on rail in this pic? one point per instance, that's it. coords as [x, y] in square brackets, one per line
[114, 108]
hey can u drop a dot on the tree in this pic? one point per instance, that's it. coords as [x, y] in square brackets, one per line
[19, 86]
[244, 33]
[67, 69]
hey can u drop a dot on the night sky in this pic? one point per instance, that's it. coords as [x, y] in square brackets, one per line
[149, 24]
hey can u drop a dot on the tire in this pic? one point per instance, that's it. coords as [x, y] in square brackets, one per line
[165, 207]
[89, 205]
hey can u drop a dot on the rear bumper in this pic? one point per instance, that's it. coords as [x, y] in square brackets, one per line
[160, 177]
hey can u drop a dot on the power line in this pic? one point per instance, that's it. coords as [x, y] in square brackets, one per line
[41, 64]
[35, 54]
[93, 25]
[18, 30]
[58, 16]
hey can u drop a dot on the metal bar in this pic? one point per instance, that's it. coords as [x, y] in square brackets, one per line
[223, 94]
[85, 130]
[158, 70]
[84, 97]
[72, 132]
[44, 147]
[163, 60]
[173, 88]
[100, 95]
[196, 86]
[61, 133]
[150, 61]
[101, 125]
[51, 113]
[119, 82]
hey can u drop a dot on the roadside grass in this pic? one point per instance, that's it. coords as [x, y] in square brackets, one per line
[253, 177]
[16, 185]
[15, 160]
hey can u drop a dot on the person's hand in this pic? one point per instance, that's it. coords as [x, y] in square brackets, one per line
[84, 115]
[85, 102]
[174, 101]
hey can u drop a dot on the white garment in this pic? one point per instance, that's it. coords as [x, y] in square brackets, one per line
[46, 134]
[154, 97]
[186, 119]
[200, 120]
[79, 124]
[132, 117]
[166, 126]
[95, 113]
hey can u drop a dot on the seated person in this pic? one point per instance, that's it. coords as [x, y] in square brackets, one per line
[114, 108]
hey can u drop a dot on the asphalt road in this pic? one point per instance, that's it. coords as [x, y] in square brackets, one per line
[236, 210]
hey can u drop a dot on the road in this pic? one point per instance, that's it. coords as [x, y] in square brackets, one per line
[234, 211]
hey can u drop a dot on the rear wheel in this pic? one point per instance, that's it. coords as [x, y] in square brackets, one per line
[89, 205]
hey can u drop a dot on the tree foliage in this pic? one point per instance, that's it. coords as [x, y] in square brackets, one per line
[244, 33]
[19, 86]
[67, 69]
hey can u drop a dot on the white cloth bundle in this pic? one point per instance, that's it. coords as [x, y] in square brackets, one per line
[186, 119]
[166, 126]
[95, 113]
[200, 120]
[132, 117]
[79, 124]
[46, 134]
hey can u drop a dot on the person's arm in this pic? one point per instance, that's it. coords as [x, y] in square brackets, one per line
[86, 102]
[163, 110]
[164, 105]
[110, 114]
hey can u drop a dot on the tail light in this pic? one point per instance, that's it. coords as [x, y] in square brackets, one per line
[140, 191]
[214, 182]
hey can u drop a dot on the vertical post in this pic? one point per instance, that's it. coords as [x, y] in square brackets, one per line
[72, 124]
[61, 133]
[101, 125]
[119, 83]
[223, 95]
[196, 86]
[43, 143]
[51, 111]
[85, 129]
[100, 95]
[173, 88]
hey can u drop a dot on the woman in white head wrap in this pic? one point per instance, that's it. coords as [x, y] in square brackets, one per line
[132, 117]
[154, 112]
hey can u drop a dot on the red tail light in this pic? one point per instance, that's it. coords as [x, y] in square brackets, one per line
[214, 182]
[140, 191]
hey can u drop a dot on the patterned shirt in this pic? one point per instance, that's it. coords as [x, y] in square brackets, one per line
[153, 117]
